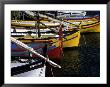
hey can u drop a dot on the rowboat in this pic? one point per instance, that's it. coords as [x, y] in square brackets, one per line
[94, 27]
[87, 24]
[51, 46]
[71, 19]
[22, 23]
[69, 39]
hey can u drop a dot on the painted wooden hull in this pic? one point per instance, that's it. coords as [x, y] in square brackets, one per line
[90, 28]
[50, 47]
[71, 40]
[32, 23]
[68, 40]
[78, 19]
[87, 24]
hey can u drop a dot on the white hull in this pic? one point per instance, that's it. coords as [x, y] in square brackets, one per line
[32, 73]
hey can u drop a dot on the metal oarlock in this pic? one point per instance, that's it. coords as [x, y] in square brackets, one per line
[34, 52]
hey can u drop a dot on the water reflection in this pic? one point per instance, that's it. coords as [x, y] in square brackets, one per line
[83, 60]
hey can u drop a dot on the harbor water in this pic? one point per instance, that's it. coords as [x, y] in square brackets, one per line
[81, 61]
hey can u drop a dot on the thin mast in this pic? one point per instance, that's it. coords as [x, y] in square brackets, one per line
[37, 22]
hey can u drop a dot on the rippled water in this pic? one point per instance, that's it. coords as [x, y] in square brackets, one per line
[82, 61]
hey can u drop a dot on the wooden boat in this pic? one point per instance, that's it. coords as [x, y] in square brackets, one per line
[74, 21]
[18, 68]
[32, 23]
[94, 27]
[82, 18]
[71, 40]
[88, 24]
[50, 47]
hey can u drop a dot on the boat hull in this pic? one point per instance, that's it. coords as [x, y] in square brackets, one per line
[68, 40]
[92, 28]
[32, 23]
[71, 40]
[53, 50]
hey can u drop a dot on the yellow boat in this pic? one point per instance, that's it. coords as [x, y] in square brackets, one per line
[71, 40]
[33, 23]
[87, 24]
[68, 40]
[90, 28]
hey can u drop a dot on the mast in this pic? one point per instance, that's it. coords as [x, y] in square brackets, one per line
[37, 22]
[60, 33]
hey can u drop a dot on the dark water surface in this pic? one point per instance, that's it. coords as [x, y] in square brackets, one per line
[82, 61]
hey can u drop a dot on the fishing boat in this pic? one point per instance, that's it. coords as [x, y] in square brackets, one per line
[80, 19]
[46, 46]
[94, 27]
[22, 23]
[41, 45]
[69, 39]
[48, 43]
[33, 67]
[28, 69]
[86, 24]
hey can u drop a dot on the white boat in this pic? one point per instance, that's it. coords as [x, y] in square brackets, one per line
[39, 72]
[28, 67]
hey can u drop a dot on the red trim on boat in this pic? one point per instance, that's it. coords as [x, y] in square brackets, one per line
[90, 26]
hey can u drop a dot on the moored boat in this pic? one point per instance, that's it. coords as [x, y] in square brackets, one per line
[87, 24]
[19, 68]
[71, 40]
[95, 27]
[22, 23]
[50, 47]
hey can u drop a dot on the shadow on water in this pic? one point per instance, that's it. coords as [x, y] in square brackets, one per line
[82, 61]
